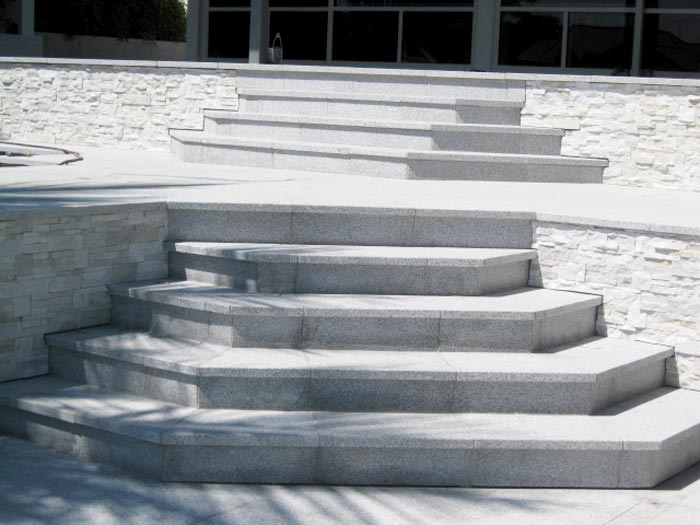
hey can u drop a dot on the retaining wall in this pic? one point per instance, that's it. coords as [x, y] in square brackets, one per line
[55, 266]
[108, 103]
[649, 129]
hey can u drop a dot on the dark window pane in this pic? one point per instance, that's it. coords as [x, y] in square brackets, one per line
[671, 42]
[298, 3]
[568, 3]
[229, 33]
[673, 4]
[365, 36]
[303, 33]
[438, 38]
[404, 3]
[229, 3]
[598, 40]
[530, 39]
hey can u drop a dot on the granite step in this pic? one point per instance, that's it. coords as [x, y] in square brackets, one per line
[344, 225]
[207, 148]
[337, 269]
[523, 320]
[367, 81]
[633, 445]
[580, 378]
[363, 131]
[384, 106]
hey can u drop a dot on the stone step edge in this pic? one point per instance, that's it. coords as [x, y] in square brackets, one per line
[479, 258]
[372, 97]
[391, 125]
[161, 292]
[96, 343]
[167, 424]
[388, 154]
[407, 212]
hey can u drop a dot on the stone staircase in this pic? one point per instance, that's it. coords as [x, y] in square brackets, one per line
[383, 123]
[357, 346]
[370, 346]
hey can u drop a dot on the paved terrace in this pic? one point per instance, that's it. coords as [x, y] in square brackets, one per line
[112, 176]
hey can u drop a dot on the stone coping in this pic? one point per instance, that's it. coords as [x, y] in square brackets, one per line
[78, 209]
[244, 67]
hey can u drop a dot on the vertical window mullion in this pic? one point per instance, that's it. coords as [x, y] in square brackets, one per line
[637, 42]
[564, 39]
[399, 45]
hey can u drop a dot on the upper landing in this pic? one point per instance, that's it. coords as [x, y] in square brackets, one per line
[111, 176]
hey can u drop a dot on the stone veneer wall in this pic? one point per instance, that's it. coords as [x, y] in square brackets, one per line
[650, 282]
[108, 103]
[649, 129]
[55, 267]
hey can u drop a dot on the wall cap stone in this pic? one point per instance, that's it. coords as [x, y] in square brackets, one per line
[244, 67]
[77, 210]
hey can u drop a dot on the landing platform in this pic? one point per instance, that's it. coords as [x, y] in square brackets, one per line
[114, 176]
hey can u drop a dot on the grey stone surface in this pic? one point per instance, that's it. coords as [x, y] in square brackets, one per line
[394, 466]
[203, 444]
[81, 493]
[347, 269]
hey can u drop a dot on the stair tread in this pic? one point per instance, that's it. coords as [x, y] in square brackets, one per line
[202, 137]
[588, 361]
[525, 303]
[348, 254]
[373, 97]
[376, 123]
[647, 422]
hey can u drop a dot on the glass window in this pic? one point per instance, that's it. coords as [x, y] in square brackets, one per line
[303, 33]
[600, 41]
[568, 3]
[671, 42]
[530, 39]
[229, 34]
[437, 38]
[370, 36]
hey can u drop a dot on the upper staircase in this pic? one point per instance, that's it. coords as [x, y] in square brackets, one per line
[383, 123]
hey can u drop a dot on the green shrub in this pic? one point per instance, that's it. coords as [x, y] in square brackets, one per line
[143, 19]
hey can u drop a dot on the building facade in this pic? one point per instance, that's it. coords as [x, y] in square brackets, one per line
[622, 37]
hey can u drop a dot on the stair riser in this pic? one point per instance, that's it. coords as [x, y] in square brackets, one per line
[420, 464]
[399, 228]
[301, 390]
[351, 331]
[378, 84]
[349, 278]
[385, 167]
[500, 142]
[380, 110]
[500, 171]
[136, 456]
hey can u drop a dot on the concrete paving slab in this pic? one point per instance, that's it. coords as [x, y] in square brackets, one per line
[81, 493]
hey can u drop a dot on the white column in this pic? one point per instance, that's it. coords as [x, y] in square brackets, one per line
[27, 18]
[259, 31]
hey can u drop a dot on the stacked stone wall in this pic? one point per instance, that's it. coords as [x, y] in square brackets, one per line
[650, 282]
[650, 133]
[100, 103]
[55, 268]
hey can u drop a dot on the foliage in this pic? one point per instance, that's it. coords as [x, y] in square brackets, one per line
[143, 19]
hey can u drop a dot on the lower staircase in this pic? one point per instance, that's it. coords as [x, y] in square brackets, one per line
[365, 347]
